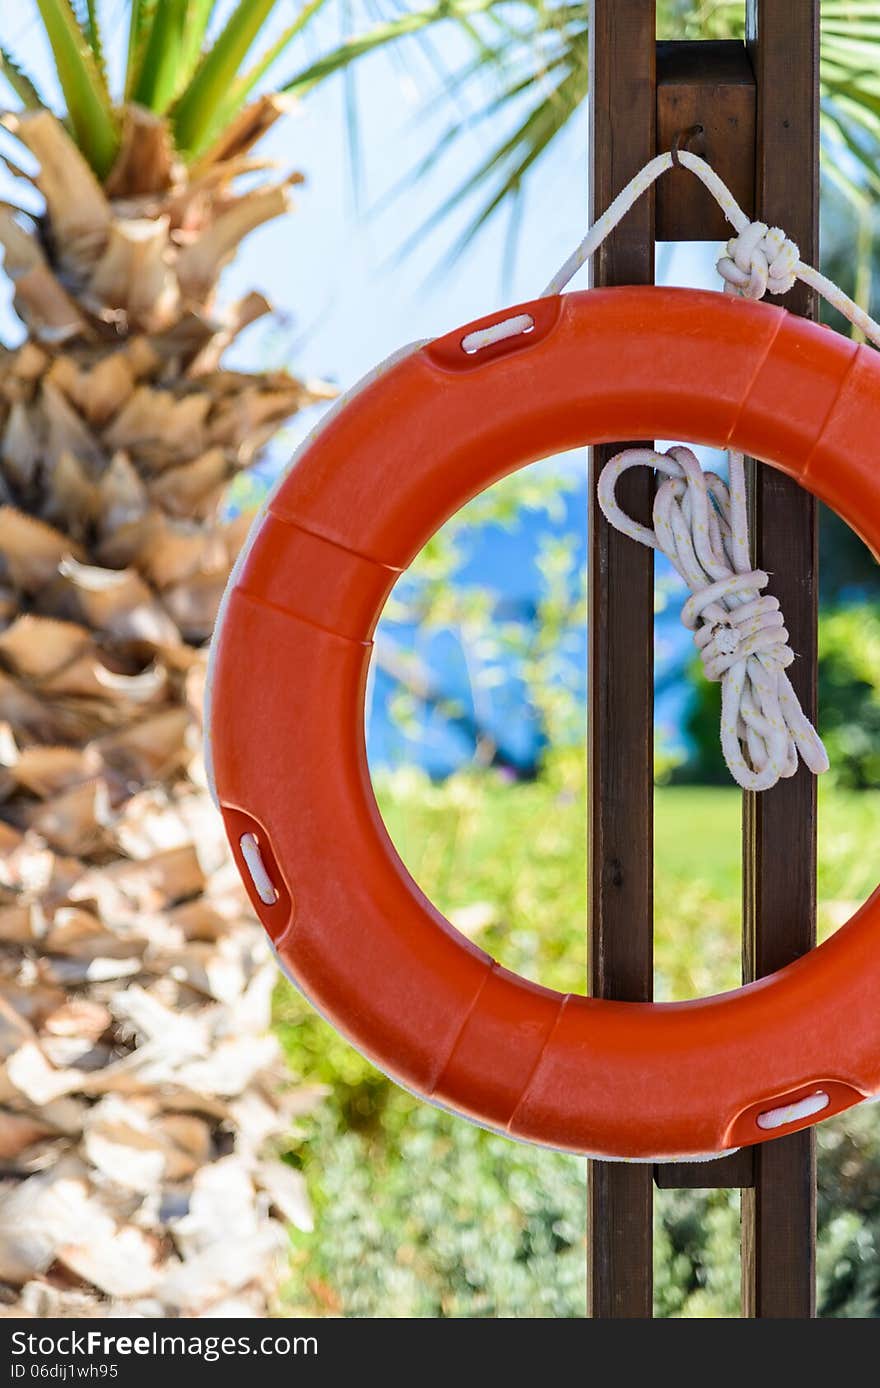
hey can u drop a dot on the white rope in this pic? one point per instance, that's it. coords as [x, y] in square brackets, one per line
[701, 526]
[700, 523]
[757, 259]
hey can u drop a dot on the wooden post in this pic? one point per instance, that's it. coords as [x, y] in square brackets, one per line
[779, 844]
[758, 106]
[620, 775]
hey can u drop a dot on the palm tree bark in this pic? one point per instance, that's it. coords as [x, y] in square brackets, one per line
[142, 1101]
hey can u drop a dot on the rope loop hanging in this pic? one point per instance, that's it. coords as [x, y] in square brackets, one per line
[701, 523]
[756, 251]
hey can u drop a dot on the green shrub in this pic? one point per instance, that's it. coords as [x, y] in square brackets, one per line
[849, 693]
[434, 1217]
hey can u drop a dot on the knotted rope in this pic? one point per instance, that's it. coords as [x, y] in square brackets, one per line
[701, 524]
[753, 246]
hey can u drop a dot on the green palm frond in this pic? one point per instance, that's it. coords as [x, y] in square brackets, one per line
[158, 69]
[198, 17]
[254, 74]
[89, 107]
[194, 115]
[505, 170]
[165, 48]
[245, 84]
[23, 86]
[139, 20]
[537, 40]
[172, 66]
[382, 35]
[87, 16]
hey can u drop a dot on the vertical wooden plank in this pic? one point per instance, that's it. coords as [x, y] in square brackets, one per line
[779, 877]
[621, 665]
[700, 82]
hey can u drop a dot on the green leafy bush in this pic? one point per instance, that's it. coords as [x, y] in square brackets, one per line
[849, 693]
[433, 1217]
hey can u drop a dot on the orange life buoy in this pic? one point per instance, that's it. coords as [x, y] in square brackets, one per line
[289, 666]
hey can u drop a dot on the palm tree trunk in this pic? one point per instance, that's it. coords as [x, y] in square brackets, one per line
[143, 1104]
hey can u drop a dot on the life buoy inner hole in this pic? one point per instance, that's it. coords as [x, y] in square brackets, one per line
[476, 717]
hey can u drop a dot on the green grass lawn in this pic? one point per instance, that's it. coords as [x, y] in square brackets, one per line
[421, 1214]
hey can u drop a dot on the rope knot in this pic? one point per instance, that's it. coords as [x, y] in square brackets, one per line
[732, 619]
[760, 259]
[725, 639]
[700, 524]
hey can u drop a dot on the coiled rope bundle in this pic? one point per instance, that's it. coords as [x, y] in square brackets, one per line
[700, 525]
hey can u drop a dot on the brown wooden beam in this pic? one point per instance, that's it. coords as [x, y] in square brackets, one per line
[726, 1173]
[708, 84]
[713, 85]
[621, 660]
[760, 119]
[779, 862]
